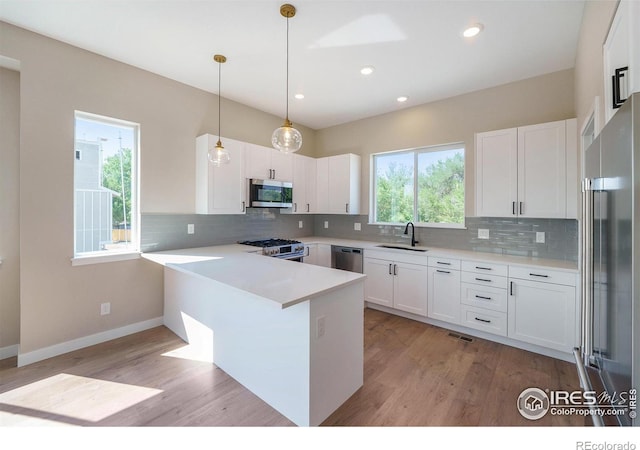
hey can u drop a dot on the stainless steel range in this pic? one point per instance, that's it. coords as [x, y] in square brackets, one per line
[279, 248]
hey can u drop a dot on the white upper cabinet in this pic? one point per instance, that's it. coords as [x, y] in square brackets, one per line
[621, 56]
[338, 184]
[304, 186]
[264, 163]
[528, 171]
[220, 190]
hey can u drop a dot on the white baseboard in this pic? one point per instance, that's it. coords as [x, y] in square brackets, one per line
[87, 341]
[9, 351]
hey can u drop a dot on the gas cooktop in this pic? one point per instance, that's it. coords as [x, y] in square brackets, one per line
[280, 248]
[272, 242]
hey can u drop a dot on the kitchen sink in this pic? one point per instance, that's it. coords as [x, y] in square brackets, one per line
[402, 247]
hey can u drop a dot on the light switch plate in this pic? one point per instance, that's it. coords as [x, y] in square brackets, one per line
[540, 237]
[191, 228]
[326, 224]
[300, 223]
[483, 233]
[356, 226]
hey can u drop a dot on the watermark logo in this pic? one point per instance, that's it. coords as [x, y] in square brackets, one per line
[533, 403]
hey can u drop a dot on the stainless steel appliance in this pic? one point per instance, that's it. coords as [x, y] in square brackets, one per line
[346, 258]
[270, 194]
[279, 248]
[611, 260]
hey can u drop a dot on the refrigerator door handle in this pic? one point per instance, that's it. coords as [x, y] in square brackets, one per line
[587, 269]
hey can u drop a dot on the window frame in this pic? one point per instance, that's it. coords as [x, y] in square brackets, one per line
[416, 151]
[133, 250]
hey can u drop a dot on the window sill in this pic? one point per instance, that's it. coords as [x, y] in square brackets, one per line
[102, 258]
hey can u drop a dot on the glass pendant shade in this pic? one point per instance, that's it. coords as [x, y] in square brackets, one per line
[286, 138]
[218, 155]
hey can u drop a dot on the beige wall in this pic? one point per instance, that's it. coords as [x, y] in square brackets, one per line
[536, 100]
[9, 208]
[59, 302]
[589, 67]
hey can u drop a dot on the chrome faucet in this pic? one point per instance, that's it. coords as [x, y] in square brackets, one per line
[413, 233]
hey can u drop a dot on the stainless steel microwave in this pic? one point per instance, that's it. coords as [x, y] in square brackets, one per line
[270, 194]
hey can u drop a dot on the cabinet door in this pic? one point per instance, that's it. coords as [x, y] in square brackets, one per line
[310, 254]
[311, 205]
[444, 294]
[220, 190]
[378, 286]
[282, 165]
[410, 288]
[339, 184]
[299, 184]
[258, 162]
[543, 314]
[542, 170]
[496, 173]
[322, 185]
[324, 255]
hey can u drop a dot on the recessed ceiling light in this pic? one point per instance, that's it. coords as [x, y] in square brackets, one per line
[473, 30]
[402, 99]
[299, 96]
[367, 70]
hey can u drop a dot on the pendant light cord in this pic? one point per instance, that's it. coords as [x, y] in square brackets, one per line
[219, 95]
[287, 102]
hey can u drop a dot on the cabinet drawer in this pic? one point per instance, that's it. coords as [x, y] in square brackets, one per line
[445, 263]
[484, 279]
[485, 268]
[542, 274]
[490, 321]
[484, 297]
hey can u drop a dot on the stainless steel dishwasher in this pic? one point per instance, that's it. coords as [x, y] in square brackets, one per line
[346, 258]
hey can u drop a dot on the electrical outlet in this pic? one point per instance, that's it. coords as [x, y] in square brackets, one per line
[357, 226]
[320, 325]
[326, 224]
[540, 237]
[483, 233]
[191, 228]
[300, 223]
[105, 309]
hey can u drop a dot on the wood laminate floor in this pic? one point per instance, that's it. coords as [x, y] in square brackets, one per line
[414, 375]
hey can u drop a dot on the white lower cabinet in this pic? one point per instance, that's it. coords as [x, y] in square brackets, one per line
[310, 254]
[323, 257]
[543, 313]
[396, 284]
[444, 290]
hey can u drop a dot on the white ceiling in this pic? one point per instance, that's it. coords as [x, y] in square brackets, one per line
[416, 47]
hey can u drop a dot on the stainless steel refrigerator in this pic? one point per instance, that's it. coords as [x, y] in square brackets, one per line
[611, 260]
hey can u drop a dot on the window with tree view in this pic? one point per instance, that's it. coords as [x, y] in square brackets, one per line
[424, 186]
[105, 185]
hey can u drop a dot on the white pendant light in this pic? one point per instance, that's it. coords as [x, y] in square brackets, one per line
[219, 155]
[286, 138]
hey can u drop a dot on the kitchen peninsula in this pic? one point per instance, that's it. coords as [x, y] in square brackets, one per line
[291, 333]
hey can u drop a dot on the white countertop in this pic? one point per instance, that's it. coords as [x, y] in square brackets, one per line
[555, 264]
[284, 282]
